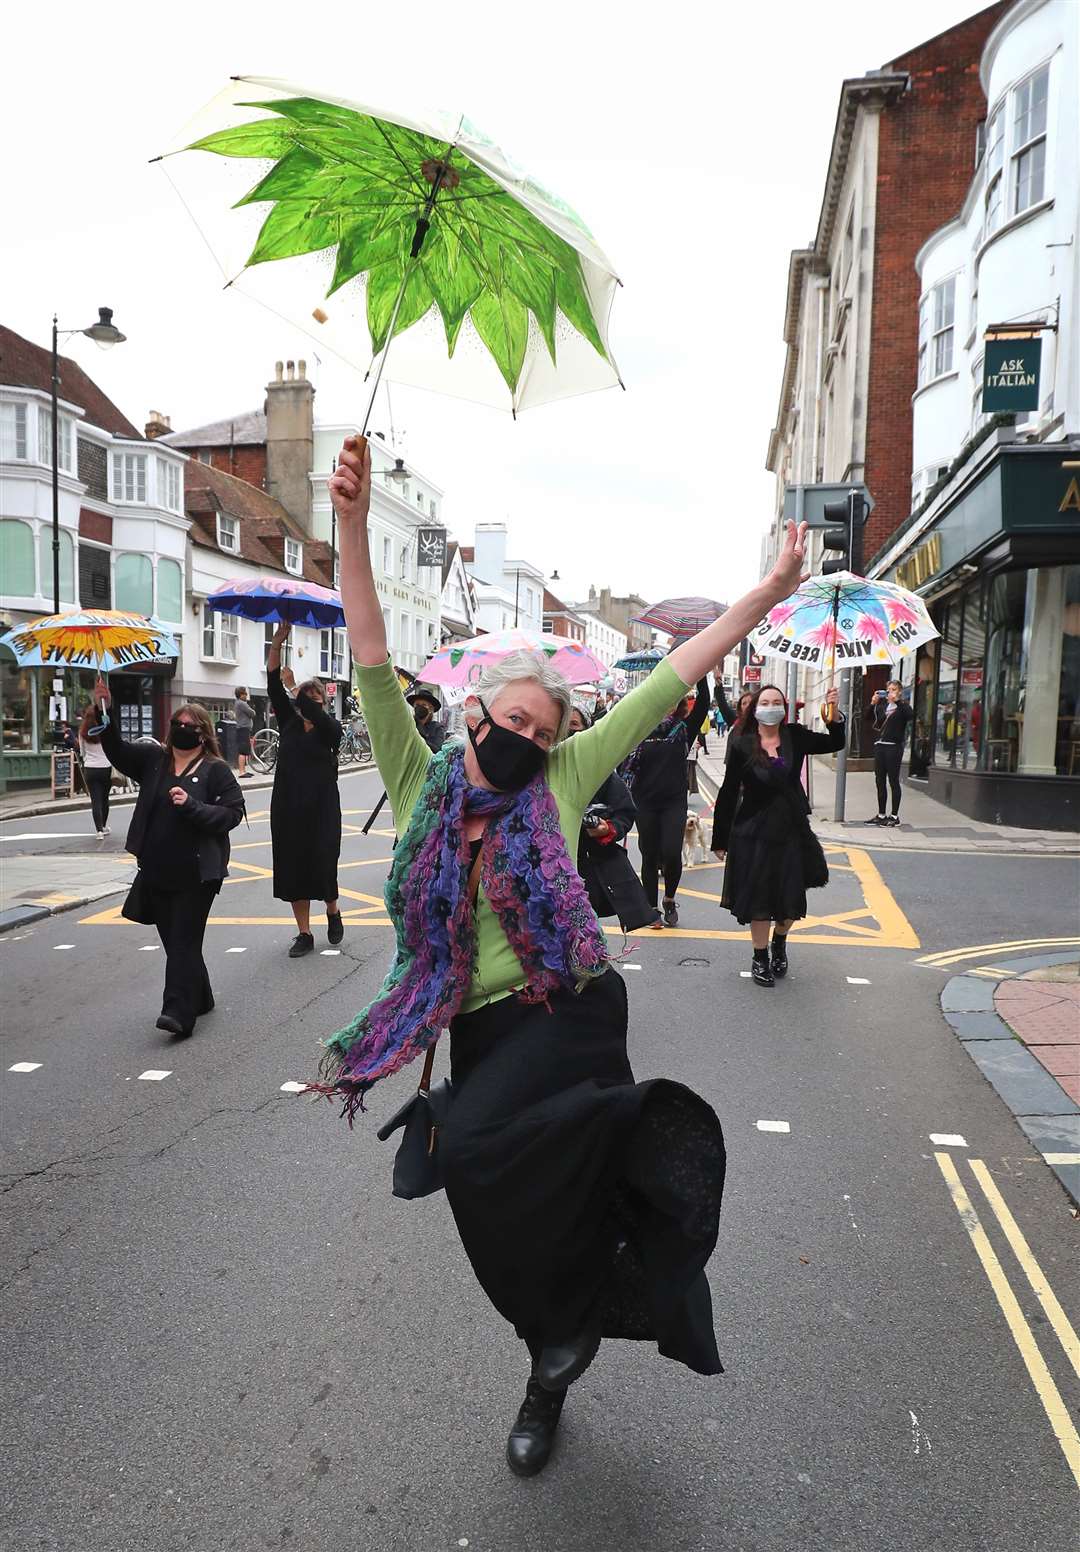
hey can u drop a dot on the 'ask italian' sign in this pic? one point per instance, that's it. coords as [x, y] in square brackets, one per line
[1011, 375]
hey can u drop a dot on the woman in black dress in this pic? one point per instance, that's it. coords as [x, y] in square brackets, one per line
[305, 809]
[188, 802]
[761, 826]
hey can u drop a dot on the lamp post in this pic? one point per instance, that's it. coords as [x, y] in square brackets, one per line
[105, 333]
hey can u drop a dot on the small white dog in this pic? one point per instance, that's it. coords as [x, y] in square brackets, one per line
[694, 841]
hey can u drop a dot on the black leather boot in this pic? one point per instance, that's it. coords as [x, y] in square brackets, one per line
[759, 968]
[779, 955]
[559, 1366]
[528, 1448]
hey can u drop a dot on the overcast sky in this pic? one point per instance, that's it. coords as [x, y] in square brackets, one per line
[693, 141]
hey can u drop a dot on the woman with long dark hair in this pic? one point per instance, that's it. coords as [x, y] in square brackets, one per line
[586, 1203]
[305, 808]
[96, 767]
[188, 802]
[761, 826]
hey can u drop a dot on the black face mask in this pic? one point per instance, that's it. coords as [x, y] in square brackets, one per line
[184, 736]
[506, 759]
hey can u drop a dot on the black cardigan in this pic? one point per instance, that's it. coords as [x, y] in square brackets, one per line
[796, 742]
[660, 775]
[212, 818]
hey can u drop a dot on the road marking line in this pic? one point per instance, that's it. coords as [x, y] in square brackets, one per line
[236, 951]
[292, 1087]
[857, 980]
[52, 835]
[1039, 1374]
[950, 956]
[24, 1067]
[149, 948]
[745, 974]
[995, 971]
[58, 946]
[631, 967]
[329, 953]
[154, 1075]
[948, 1139]
[1028, 1264]
[774, 1126]
[1062, 1158]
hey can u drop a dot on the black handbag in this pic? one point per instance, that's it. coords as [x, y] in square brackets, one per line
[417, 1165]
[137, 907]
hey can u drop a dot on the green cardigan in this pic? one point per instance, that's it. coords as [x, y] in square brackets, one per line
[574, 770]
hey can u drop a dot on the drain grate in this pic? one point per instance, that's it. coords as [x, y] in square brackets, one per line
[694, 962]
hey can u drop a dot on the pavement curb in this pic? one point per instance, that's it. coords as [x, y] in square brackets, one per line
[1042, 1109]
[24, 915]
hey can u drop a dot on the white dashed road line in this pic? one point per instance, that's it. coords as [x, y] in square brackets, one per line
[857, 980]
[774, 1126]
[153, 1075]
[57, 946]
[149, 948]
[292, 1087]
[948, 1140]
[329, 953]
[236, 951]
[24, 1067]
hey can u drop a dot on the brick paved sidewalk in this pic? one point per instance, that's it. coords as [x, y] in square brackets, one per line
[1043, 1009]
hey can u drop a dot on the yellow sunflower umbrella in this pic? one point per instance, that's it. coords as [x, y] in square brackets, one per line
[105, 639]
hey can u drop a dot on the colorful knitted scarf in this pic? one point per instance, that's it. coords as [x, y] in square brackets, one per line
[672, 728]
[531, 883]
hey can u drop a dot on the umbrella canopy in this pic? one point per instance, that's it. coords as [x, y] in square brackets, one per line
[105, 639]
[682, 618]
[277, 600]
[844, 621]
[462, 663]
[641, 662]
[406, 223]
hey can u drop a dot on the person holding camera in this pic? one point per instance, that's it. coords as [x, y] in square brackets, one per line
[891, 717]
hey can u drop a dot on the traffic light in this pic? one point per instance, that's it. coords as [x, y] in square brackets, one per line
[846, 538]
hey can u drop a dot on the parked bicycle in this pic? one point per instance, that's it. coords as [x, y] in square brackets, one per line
[356, 741]
[264, 750]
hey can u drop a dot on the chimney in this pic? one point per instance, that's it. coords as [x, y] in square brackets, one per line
[158, 425]
[290, 439]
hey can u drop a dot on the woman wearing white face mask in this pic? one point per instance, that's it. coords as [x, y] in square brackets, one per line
[761, 826]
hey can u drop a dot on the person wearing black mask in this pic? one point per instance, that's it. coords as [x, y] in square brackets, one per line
[188, 802]
[426, 709]
[587, 1203]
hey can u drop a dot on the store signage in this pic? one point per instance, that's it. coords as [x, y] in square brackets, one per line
[971, 678]
[752, 675]
[920, 565]
[431, 547]
[1011, 375]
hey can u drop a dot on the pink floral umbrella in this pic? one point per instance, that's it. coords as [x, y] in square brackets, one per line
[460, 664]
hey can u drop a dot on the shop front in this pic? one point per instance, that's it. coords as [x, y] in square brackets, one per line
[997, 695]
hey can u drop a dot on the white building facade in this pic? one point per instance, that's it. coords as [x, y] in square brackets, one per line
[508, 592]
[601, 638]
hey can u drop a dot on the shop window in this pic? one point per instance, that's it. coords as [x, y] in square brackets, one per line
[17, 559]
[170, 592]
[969, 697]
[133, 584]
[16, 701]
[1003, 698]
[67, 564]
[946, 725]
[12, 432]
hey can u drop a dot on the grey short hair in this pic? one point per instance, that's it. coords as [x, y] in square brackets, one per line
[517, 666]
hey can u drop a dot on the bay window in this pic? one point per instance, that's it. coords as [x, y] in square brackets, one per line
[12, 432]
[129, 476]
[168, 478]
[937, 316]
[1029, 140]
[995, 162]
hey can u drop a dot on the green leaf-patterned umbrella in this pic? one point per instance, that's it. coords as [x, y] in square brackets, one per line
[396, 224]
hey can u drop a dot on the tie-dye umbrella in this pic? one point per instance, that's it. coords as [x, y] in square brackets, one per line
[462, 663]
[105, 639]
[844, 621]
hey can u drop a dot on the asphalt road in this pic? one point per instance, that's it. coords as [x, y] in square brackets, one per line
[223, 1332]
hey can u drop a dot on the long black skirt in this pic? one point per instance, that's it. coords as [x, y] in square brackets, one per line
[773, 858]
[575, 1188]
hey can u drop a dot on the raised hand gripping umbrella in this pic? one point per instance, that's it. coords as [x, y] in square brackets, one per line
[105, 639]
[462, 663]
[844, 620]
[682, 618]
[277, 600]
[405, 224]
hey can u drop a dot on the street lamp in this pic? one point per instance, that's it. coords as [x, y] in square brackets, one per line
[399, 474]
[104, 333]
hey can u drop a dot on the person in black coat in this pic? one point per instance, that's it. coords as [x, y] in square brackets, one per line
[426, 708]
[188, 802]
[891, 716]
[761, 826]
[655, 772]
[614, 888]
[305, 809]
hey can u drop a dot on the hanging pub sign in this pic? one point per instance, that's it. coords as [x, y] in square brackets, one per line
[1011, 375]
[431, 547]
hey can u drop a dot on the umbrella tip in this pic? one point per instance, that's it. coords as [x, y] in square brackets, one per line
[154, 159]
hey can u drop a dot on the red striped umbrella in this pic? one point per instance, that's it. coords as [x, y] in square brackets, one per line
[682, 617]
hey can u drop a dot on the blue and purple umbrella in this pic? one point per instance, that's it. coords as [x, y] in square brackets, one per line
[277, 600]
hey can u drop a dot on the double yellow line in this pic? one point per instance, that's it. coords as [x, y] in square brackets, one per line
[1038, 1372]
[952, 956]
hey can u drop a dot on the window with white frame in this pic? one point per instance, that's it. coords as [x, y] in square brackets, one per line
[168, 481]
[228, 533]
[404, 641]
[420, 499]
[995, 163]
[937, 314]
[12, 432]
[204, 455]
[220, 636]
[332, 654]
[432, 509]
[66, 440]
[406, 490]
[421, 638]
[403, 563]
[1028, 176]
[294, 556]
[388, 557]
[268, 640]
[848, 252]
[388, 629]
[129, 476]
[335, 579]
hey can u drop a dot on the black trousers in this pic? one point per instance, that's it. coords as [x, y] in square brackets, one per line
[180, 917]
[660, 838]
[887, 758]
[98, 783]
